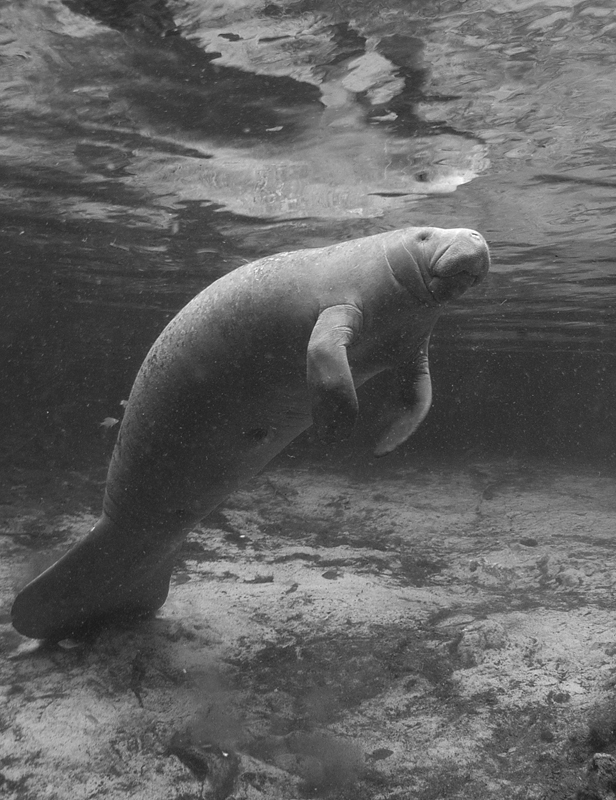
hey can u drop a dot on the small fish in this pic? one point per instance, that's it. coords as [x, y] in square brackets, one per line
[109, 422]
[138, 671]
[380, 753]
[260, 579]
[207, 762]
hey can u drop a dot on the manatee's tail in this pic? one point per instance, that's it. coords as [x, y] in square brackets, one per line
[108, 576]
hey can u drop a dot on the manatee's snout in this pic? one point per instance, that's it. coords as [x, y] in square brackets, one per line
[460, 259]
[437, 264]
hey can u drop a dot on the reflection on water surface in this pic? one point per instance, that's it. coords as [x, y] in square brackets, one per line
[150, 148]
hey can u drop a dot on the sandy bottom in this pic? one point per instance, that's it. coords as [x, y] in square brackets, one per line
[418, 632]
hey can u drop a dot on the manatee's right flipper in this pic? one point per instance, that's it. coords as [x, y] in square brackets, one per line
[334, 401]
[104, 577]
[413, 401]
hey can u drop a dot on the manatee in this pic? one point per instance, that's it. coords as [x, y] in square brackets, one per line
[249, 364]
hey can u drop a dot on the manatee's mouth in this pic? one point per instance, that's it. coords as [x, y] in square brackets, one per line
[452, 286]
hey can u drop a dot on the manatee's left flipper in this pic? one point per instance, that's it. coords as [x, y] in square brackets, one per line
[334, 401]
[413, 401]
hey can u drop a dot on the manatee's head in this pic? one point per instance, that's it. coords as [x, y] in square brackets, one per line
[437, 264]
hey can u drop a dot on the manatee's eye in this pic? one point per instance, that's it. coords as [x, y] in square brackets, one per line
[423, 177]
[424, 236]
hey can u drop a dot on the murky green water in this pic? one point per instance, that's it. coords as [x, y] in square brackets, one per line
[149, 148]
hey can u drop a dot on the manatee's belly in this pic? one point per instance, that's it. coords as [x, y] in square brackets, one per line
[174, 470]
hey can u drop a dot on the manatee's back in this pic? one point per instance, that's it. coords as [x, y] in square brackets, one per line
[219, 394]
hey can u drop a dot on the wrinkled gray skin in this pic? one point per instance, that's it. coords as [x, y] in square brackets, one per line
[243, 369]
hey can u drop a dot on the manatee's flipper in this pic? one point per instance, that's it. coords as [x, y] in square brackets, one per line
[413, 401]
[105, 577]
[334, 401]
